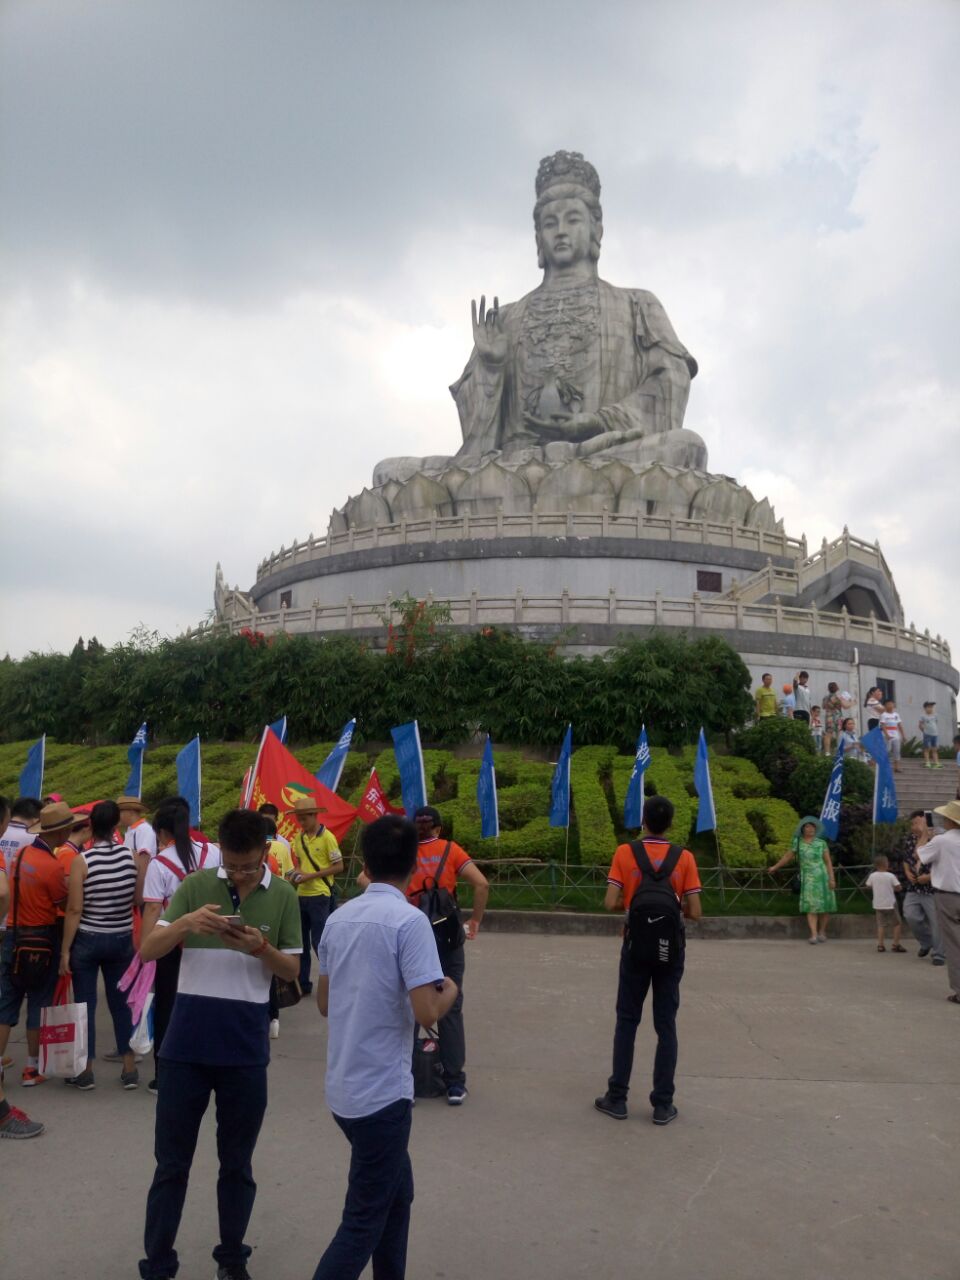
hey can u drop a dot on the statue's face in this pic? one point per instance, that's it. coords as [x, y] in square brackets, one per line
[565, 232]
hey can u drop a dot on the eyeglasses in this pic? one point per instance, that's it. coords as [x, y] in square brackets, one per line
[235, 872]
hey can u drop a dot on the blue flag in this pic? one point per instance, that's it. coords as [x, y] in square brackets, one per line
[706, 811]
[633, 805]
[137, 747]
[560, 786]
[279, 727]
[830, 813]
[31, 776]
[487, 794]
[188, 778]
[884, 787]
[413, 780]
[331, 771]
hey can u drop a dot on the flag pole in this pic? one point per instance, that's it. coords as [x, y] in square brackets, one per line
[723, 895]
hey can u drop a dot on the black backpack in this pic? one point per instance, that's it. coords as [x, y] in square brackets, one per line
[440, 907]
[654, 936]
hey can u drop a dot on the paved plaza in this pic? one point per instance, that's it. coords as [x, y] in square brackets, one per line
[818, 1134]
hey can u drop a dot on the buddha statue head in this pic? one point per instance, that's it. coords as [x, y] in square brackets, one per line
[566, 182]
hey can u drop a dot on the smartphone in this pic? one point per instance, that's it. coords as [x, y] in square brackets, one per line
[928, 814]
[233, 922]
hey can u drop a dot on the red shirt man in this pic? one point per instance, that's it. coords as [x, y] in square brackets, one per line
[458, 866]
[622, 882]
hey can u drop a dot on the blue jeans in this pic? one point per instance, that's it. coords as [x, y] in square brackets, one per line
[666, 1001]
[11, 996]
[109, 954]
[184, 1095]
[376, 1215]
[313, 916]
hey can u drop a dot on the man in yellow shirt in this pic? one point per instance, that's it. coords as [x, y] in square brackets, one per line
[765, 698]
[317, 857]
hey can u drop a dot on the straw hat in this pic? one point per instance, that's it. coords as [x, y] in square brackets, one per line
[304, 805]
[950, 810]
[53, 818]
[80, 820]
[131, 802]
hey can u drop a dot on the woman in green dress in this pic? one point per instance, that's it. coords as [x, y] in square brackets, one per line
[817, 881]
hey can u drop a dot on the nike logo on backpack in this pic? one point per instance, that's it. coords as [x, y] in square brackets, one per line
[654, 919]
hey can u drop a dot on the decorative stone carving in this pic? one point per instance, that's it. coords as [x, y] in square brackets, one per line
[721, 499]
[453, 478]
[367, 509]
[617, 473]
[420, 498]
[338, 522]
[762, 516]
[575, 487]
[493, 489]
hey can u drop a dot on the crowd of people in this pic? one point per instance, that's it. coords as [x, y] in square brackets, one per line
[831, 723]
[230, 927]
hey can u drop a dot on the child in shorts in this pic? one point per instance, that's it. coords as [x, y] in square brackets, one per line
[930, 730]
[884, 886]
[816, 729]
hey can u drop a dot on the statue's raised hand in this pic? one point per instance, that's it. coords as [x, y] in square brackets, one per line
[488, 336]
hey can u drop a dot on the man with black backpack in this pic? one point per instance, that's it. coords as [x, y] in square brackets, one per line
[440, 864]
[658, 884]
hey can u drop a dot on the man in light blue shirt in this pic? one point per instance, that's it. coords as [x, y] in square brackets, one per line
[379, 975]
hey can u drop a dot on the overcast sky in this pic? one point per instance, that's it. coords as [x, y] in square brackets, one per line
[238, 243]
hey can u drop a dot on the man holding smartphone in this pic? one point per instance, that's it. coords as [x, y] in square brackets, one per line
[379, 975]
[239, 926]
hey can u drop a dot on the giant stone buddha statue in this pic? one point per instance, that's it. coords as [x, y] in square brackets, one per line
[572, 399]
[577, 362]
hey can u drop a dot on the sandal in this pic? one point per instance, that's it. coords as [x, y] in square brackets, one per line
[897, 947]
[881, 947]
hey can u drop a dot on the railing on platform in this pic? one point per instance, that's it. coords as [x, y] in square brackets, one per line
[539, 524]
[713, 612]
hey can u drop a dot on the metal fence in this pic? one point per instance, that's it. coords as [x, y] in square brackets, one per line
[531, 884]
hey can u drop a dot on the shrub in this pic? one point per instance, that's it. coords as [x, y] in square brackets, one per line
[775, 746]
[807, 784]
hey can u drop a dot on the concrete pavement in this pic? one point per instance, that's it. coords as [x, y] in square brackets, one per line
[818, 1134]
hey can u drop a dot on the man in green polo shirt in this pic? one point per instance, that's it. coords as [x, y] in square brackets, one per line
[238, 926]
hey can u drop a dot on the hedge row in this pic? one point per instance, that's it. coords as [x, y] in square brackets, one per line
[522, 692]
[754, 828]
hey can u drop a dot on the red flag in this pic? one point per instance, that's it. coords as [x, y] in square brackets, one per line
[375, 803]
[280, 779]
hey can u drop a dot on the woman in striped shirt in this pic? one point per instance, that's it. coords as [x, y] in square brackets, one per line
[98, 935]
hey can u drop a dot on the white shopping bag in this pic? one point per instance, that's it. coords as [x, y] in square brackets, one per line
[142, 1039]
[63, 1035]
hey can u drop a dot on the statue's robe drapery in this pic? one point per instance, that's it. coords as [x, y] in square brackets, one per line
[631, 370]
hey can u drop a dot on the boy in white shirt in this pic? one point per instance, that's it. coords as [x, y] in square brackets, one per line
[884, 886]
[892, 728]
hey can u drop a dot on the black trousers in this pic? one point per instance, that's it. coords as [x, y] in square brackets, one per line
[376, 1215]
[631, 994]
[164, 993]
[184, 1095]
[453, 1042]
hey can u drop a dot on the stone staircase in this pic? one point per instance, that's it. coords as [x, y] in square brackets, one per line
[921, 788]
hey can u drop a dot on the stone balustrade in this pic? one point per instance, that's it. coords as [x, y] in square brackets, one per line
[520, 609]
[536, 524]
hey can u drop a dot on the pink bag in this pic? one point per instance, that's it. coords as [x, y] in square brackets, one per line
[139, 978]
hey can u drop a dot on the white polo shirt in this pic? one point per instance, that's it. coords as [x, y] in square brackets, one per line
[942, 856]
[140, 837]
